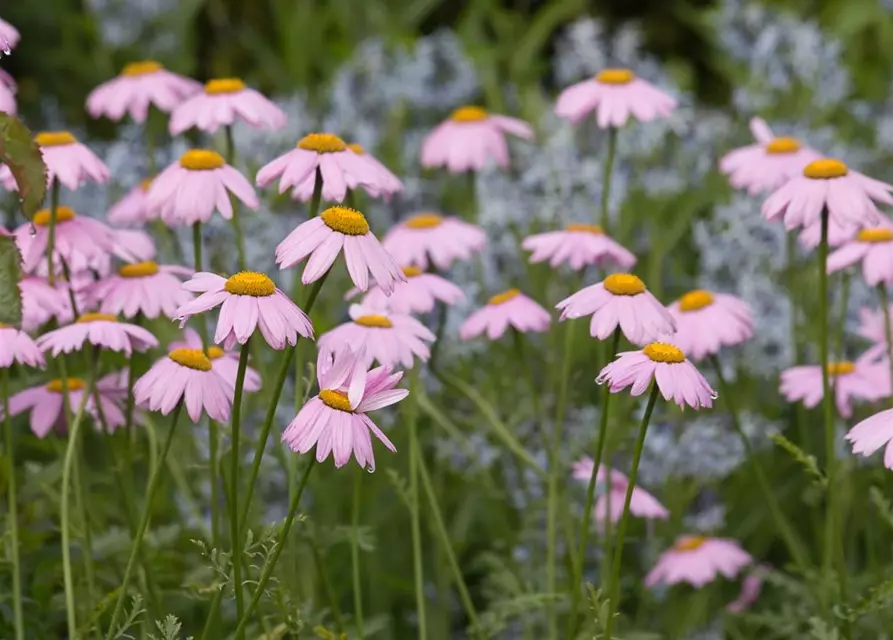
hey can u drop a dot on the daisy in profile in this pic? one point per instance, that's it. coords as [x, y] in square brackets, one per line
[335, 420]
[80, 241]
[621, 300]
[322, 238]
[431, 239]
[17, 347]
[863, 379]
[769, 163]
[9, 37]
[848, 196]
[101, 330]
[388, 338]
[838, 234]
[508, 309]
[470, 138]
[249, 301]
[384, 185]
[185, 375]
[418, 294]
[224, 102]
[42, 301]
[578, 245]
[642, 505]
[133, 208]
[698, 560]
[613, 96]
[198, 184]
[145, 288]
[871, 327]
[224, 363]
[873, 247]
[140, 85]
[707, 321]
[66, 159]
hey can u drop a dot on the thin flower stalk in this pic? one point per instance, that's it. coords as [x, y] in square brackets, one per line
[235, 459]
[888, 328]
[411, 413]
[13, 512]
[237, 223]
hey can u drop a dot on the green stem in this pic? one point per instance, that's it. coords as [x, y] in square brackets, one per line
[235, 459]
[613, 588]
[518, 342]
[606, 177]
[13, 513]
[214, 470]
[410, 410]
[326, 585]
[440, 325]
[888, 328]
[212, 615]
[51, 232]
[355, 553]
[237, 223]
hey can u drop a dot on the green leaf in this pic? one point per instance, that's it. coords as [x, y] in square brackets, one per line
[20, 153]
[808, 462]
[10, 275]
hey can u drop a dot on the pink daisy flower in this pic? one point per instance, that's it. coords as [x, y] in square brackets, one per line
[871, 327]
[751, 587]
[698, 560]
[706, 322]
[677, 379]
[384, 185]
[848, 196]
[335, 420]
[874, 248]
[41, 301]
[621, 300]
[418, 294]
[185, 375]
[7, 97]
[224, 363]
[140, 85]
[223, 102]
[101, 330]
[132, 245]
[862, 380]
[642, 504]
[769, 163]
[871, 434]
[470, 138]
[431, 238]
[198, 184]
[16, 346]
[9, 37]
[838, 234]
[579, 245]
[614, 95]
[133, 208]
[508, 309]
[323, 237]
[386, 337]
[145, 288]
[79, 240]
[249, 301]
[67, 161]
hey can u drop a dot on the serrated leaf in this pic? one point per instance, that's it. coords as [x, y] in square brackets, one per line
[808, 462]
[20, 153]
[10, 276]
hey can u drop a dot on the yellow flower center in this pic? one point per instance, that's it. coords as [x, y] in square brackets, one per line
[690, 543]
[322, 143]
[783, 145]
[662, 352]
[840, 368]
[224, 85]
[250, 283]
[469, 114]
[412, 272]
[881, 234]
[97, 317]
[424, 221]
[192, 358]
[345, 220]
[138, 269]
[615, 76]
[695, 300]
[215, 353]
[63, 214]
[54, 138]
[624, 284]
[825, 169]
[141, 68]
[594, 229]
[502, 298]
[357, 148]
[145, 184]
[74, 384]
[201, 160]
[335, 399]
[379, 322]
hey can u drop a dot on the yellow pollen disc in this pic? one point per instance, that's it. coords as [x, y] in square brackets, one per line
[503, 297]
[345, 220]
[138, 269]
[624, 284]
[145, 184]
[141, 68]
[335, 399]
[74, 384]
[881, 234]
[594, 229]
[215, 353]
[825, 169]
[357, 148]
[97, 317]
[615, 76]
[840, 368]
[224, 85]
[412, 272]
[192, 358]
[469, 114]
[662, 352]
[783, 145]
[63, 214]
[695, 300]
[379, 322]
[690, 544]
[424, 221]
[54, 138]
[250, 283]
[322, 143]
[201, 160]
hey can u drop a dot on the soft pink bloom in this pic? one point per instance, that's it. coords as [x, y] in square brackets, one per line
[873, 433]
[145, 288]
[848, 196]
[224, 102]
[198, 184]
[249, 301]
[677, 379]
[338, 167]
[185, 375]
[614, 95]
[66, 159]
[838, 234]
[379, 181]
[388, 338]
[418, 294]
[642, 504]
[751, 586]
[707, 321]
[132, 245]
[470, 138]
[874, 248]
[17, 346]
[871, 327]
[224, 363]
[335, 421]
[620, 300]
[431, 238]
[322, 238]
[7, 98]
[40, 302]
[140, 85]
[9, 37]
[101, 330]
[580, 245]
[508, 309]
[698, 560]
[862, 379]
[769, 163]
[79, 240]
[133, 208]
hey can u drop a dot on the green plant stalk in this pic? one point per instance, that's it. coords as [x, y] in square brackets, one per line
[520, 351]
[237, 224]
[411, 411]
[326, 585]
[13, 513]
[51, 232]
[606, 177]
[614, 585]
[888, 327]
[212, 615]
[154, 481]
[355, 554]
[234, 477]
[440, 325]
